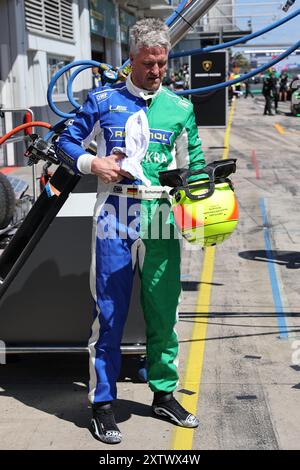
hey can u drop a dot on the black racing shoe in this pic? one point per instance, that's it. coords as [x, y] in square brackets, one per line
[167, 406]
[104, 426]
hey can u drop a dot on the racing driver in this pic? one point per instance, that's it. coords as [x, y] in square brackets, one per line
[120, 243]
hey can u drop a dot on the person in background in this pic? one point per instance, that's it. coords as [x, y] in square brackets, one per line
[231, 88]
[248, 88]
[96, 77]
[267, 91]
[283, 86]
[237, 90]
[170, 81]
[275, 90]
[186, 76]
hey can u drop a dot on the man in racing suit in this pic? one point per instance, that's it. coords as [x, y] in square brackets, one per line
[121, 242]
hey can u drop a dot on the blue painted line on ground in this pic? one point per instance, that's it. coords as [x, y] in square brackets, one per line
[272, 273]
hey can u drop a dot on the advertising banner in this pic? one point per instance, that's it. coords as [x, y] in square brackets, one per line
[205, 70]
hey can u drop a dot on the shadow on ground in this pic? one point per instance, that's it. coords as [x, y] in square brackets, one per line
[289, 259]
[58, 385]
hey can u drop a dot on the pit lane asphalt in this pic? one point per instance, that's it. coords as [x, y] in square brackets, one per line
[250, 383]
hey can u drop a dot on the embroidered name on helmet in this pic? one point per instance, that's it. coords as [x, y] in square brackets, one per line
[160, 136]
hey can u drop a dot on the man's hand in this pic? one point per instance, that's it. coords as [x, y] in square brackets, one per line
[108, 170]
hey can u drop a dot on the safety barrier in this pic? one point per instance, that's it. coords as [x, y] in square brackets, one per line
[6, 139]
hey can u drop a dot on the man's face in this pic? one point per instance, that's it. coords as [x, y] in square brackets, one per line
[149, 66]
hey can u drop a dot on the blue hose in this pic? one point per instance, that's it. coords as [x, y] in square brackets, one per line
[54, 129]
[85, 64]
[246, 38]
[91, 63]
[217, 86]
[70, 84]
[176, 12]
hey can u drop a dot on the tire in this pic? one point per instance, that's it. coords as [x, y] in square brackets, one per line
[7, 201]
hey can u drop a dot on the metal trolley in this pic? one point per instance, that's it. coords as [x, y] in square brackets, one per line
[45, 302]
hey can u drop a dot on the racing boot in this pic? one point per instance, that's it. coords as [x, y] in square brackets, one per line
[103, 424]
[165, 405]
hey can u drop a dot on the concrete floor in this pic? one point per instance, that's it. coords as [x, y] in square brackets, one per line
[250, 385]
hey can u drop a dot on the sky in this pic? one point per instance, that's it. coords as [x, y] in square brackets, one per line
[269, 11]
[264, 12]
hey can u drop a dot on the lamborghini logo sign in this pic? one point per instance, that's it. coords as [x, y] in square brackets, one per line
[207, 65]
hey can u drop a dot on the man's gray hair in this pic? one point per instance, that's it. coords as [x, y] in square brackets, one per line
[149, 32]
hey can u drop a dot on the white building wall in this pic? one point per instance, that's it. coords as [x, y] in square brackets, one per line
[117, 48]
[13, 63]
[39, 46]
[221, 16]
[24, 54]
[19, 63]
[24, 67]
[13, 54]
[23, 58]
[84, 80]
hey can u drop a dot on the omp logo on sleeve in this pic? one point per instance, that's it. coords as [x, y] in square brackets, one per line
[160, 136]
[101, 96]
[117, 134]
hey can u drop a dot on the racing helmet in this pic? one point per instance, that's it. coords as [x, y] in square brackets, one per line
[204, 204]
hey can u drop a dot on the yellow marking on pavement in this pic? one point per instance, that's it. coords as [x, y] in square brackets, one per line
[279, 128]
[228, 130]
[183, 437]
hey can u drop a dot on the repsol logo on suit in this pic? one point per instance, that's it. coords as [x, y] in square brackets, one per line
[160, 136]
[156, 135]
[117, 134]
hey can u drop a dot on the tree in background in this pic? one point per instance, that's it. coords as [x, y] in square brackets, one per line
[238, 62]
